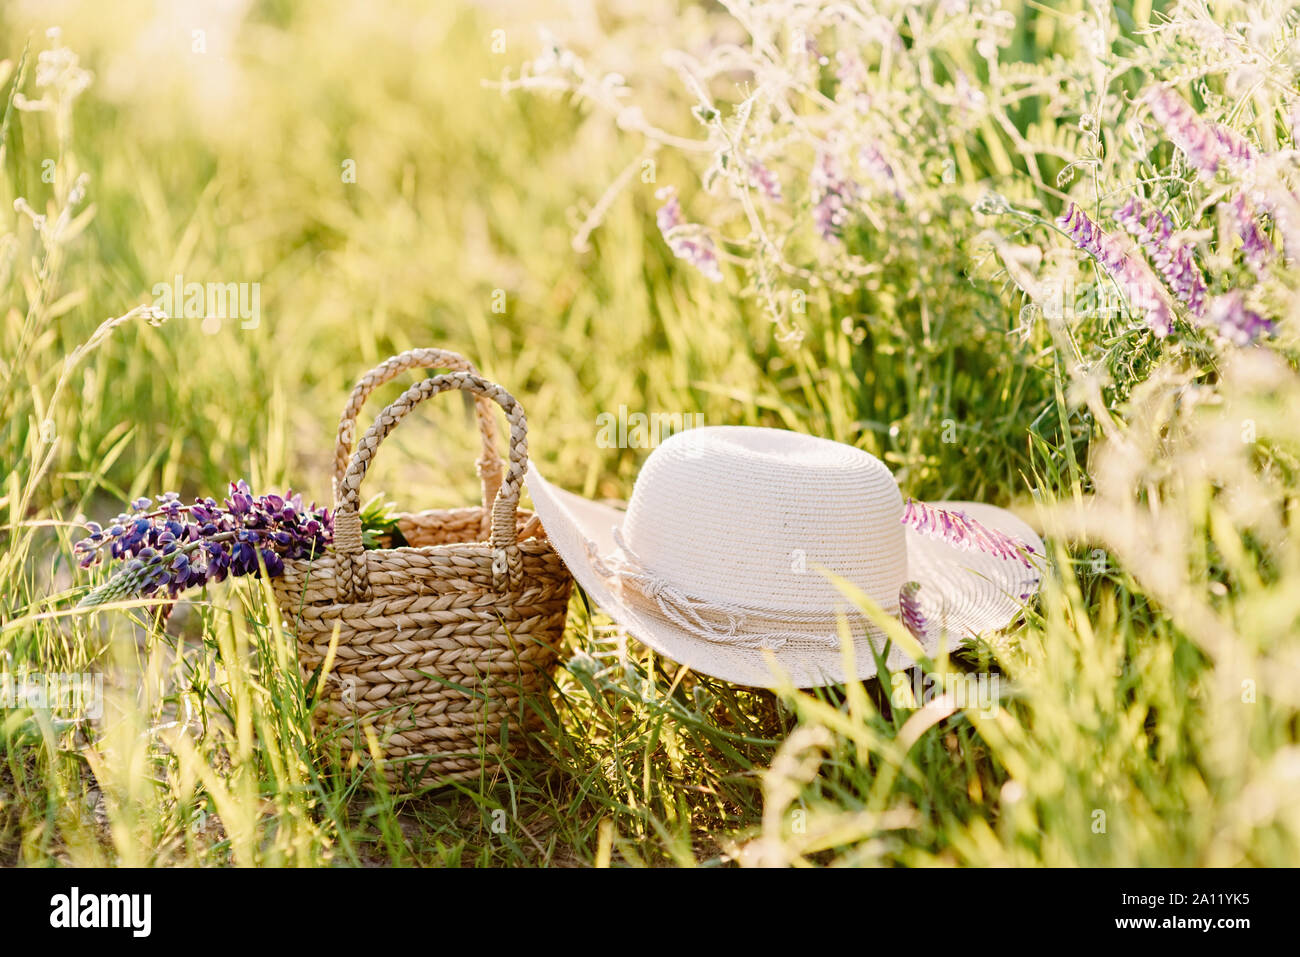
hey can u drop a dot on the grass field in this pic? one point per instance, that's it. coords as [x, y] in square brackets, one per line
[387, 177]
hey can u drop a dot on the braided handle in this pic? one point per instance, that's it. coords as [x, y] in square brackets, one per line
[350, 556]
[489, 462]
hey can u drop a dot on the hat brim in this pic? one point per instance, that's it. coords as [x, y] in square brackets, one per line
[964, 593]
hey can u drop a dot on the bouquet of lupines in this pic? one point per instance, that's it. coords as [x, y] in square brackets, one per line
[168, 547]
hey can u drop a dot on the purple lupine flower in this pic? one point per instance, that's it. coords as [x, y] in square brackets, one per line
[1135, 278]
[961, 531]
[1206, 145]
[175, 546]
[765, 181]
[1255, 245]
[831, 195]
[909, 609]
[1228, 316]
[687, 242]
[1174, 260]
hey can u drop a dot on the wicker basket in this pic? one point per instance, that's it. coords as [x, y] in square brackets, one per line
[440, 643]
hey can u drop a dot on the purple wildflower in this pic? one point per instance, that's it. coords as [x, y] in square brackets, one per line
[1283, 207]
[765, 181]
[831, 195]
[875, 163]
[1090, 237]
[669, 216]
[909, 609]
[1135, 278]
[1255, 246]
[851, 77]
[174, 546]
[1207, 145]
[850, 71]
[1228, 315]
[961, 531]
[1174, 260]
[686, 242]
[808, 47]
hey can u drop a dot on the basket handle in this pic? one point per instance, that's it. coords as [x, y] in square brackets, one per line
[350, 556]
[489, 462]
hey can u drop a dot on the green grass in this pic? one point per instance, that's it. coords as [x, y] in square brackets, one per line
[1120, 702]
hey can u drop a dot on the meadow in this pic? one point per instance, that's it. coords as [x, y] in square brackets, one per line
[875, 222]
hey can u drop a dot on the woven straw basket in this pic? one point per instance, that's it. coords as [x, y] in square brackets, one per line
[441, 643]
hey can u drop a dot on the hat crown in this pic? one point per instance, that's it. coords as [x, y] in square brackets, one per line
[749, 516]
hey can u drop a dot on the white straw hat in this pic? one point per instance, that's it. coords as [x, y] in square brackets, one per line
[720, 551]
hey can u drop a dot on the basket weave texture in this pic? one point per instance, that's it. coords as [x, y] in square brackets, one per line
[442, 645]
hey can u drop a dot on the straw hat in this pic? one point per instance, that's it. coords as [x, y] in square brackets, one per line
[720, 553]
